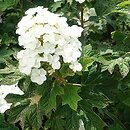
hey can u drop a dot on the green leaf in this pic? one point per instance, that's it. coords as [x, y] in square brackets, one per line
[92, 116]
[118, 36]
[124, 3]
[71, 96]
[103, 7]
[116, 121]
[111, 66]
[87, 50]
[86, 62]
[66, 71]
[24, 84]
[1, 77]
[48, 100]
[11, 78]
[115, 127]
[15, 112]
[26, 111]
[6, 38]
[87, 124]
[6, 126]
[56, 5]
[98, 100]
[105, 50]
[124, 69]
[14, 98]
[34, 115]
[5, 53]
[127, 101]
[1, 118]
[56, 90]
[72, 120]
[10, 68]
[7, 70]
[122, 64]
[69, 1]
[6, 4]
[55, 123]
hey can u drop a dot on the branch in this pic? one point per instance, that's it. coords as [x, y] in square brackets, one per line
[82, 18]
[63, 81]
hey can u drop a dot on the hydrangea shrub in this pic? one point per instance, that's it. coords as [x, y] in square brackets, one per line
[64, 65]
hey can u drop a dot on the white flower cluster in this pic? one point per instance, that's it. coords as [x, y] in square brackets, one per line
[80, 1]
[4, 91]
[46, 37]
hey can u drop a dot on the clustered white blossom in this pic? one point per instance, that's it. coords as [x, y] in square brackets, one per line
[47, 38]
[80, 1]
[4, 91]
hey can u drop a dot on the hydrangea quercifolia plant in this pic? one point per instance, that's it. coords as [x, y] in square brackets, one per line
[64, 64]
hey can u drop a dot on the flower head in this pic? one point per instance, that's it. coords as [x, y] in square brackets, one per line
[46, 38]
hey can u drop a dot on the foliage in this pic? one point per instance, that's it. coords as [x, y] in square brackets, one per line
[98, 97]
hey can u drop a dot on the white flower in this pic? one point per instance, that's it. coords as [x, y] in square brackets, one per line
[73, 31]
[4, 91]
[32, 11]
[46, 41]
[47, 58]
[27, 60]
[70, 53]
[80, 1]
[76, 66]
[56, 65]
[48, 48]
[4, 106]
[47, 38]
[28, 42]
[55, 62]
[38, 76]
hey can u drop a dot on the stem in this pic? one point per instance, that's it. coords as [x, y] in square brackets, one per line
[21, 6]
[59, 79]
[81, 18]
[74, 84]
[63, 81]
